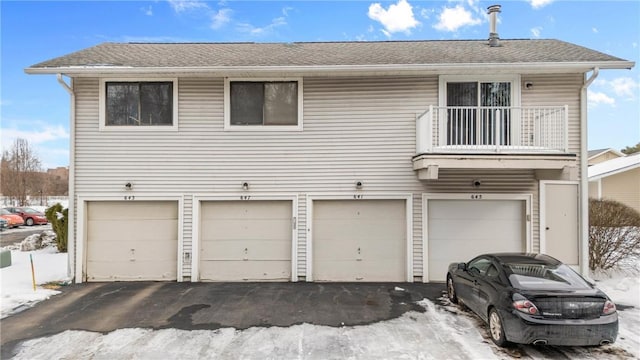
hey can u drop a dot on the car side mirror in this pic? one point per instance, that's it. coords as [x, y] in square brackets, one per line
[462, 266]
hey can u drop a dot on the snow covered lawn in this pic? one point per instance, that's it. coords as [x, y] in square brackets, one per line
[443, 331]
[17, 285]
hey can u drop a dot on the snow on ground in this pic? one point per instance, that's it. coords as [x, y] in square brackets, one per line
[16, 282]
[26, 228]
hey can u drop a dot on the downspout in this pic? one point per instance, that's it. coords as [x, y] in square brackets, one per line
[71, 263]
[584, 188]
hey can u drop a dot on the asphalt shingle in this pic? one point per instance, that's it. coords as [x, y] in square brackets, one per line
[202, 55]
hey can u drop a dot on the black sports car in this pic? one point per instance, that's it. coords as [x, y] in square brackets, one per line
[533, 299]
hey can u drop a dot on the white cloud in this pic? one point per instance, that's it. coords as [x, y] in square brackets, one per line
[596, 98]
[451, 19]
[147, 10]
[536, 4]
[634, 44]
[220, 18]
[253, 30]
[595, 30]
[536, 31]
[187, 5]
[37, 136]
[624, 86]
[398, 18]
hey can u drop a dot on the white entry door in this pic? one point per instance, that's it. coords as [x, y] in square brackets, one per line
[560, 222]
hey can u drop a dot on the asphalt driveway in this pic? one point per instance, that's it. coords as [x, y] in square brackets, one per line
[105, 307]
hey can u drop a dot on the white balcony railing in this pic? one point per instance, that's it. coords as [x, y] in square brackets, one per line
[542, 129]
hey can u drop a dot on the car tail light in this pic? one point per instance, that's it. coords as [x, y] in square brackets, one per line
[525, 306]
[608, 308]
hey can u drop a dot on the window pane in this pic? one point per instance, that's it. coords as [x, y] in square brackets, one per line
[495, 94]
[462, 94]
[122, 104]
[156, 103]
[281, 103]
[247, 99]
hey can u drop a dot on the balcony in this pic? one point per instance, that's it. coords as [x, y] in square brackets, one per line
[470, 137]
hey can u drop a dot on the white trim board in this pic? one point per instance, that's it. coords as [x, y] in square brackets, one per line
[195, 235]
[527, 198]
[408, 197]
[81, 240]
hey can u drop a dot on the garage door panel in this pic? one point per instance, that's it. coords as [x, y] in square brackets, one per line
[246, 240]
[246, 270]
[133, 271]
[126, 231]
[255, 249]
[238, 229]
[140, 251]
[230, 210]
[359, 240]
[143, 210]
[459, 230]
[132, 240]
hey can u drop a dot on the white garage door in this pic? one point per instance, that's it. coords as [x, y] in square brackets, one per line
[359, 240]
[458, 230]
[245, 240]
[132, 240]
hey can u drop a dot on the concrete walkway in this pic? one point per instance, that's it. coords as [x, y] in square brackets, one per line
[105, 307]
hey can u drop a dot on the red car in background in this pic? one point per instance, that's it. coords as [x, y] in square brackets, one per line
[30, 216]
[13, 220]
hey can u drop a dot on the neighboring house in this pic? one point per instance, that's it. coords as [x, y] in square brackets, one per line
[336, 161]
[617, 179]
[600, 155]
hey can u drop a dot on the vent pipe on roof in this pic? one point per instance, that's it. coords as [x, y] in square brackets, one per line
[494, 39]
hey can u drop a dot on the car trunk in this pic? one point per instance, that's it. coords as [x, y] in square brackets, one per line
[569, 307]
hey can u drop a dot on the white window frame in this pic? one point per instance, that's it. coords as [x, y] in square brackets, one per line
[103, 106]
[227, 106]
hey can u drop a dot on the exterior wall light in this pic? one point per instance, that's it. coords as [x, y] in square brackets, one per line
[128, 186]
[358, 185]
[528, 85]
[245, 186]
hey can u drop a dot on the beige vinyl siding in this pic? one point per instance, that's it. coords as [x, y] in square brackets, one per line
[623, 187]
[355, 129]
[603, 157]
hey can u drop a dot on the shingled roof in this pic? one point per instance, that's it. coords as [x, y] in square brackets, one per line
[326, 54]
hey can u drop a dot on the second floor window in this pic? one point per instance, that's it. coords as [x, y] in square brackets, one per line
[139, 103]
[263, 103]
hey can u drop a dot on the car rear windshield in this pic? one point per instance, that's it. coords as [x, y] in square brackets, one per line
[544, 277]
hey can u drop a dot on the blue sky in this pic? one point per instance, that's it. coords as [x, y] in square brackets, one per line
[36, 107]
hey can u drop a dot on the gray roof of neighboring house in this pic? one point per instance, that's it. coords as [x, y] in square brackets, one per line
[597, 152]
[614, 166]
[326, 54]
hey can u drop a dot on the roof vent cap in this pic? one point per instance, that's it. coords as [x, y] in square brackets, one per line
[494, 39]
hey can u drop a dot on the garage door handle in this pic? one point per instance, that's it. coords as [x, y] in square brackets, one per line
[547, 228]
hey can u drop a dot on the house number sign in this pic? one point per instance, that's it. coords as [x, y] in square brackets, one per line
[476, 196]
[129, 197]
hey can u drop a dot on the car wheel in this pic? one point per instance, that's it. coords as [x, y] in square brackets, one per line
[496, 328]
[29, 222]
[451, 291]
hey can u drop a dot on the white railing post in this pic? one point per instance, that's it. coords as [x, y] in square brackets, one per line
[429, 132]
[423, 131]
[498, 119]
[565, 127]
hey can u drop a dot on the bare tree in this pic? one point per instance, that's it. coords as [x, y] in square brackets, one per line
[21, 176]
